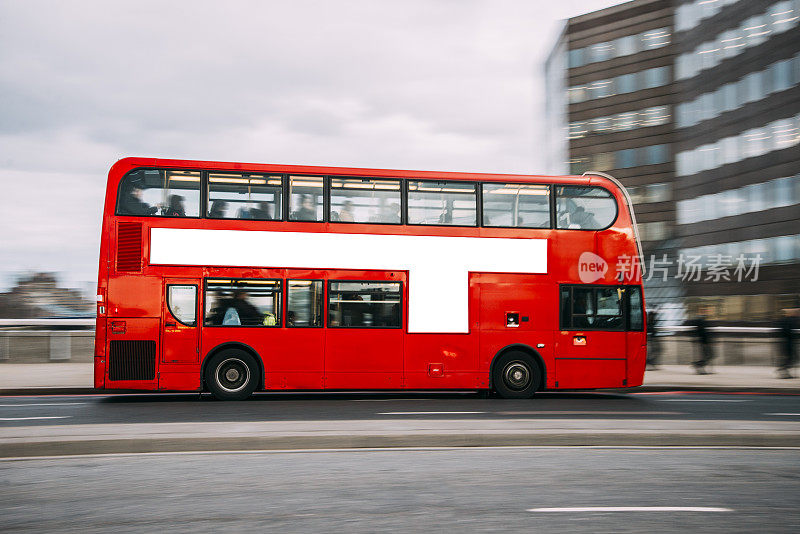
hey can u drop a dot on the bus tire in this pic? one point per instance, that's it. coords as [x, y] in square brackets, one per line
[516, 375]
[232, 374]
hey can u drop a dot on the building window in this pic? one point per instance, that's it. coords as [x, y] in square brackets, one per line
[780, 17]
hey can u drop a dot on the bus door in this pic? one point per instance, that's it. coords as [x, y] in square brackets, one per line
[591, 346]
[179, 325]
[364, 338]
[636, 339]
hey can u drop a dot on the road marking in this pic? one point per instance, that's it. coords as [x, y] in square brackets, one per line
[388, 400]
[32, 418]
[782, 414]
[587, 412]
[633, 509]
[426, 413]
[704, 400]
[42, 404]
[360, 450]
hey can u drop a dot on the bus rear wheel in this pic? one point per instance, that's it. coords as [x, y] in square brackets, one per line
[516, 375]
[231, 375]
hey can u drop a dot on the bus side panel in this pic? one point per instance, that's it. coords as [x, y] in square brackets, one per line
[442, 361]
[637, 356]
[179, 377]
[446, 361]
[134, 296]
[138, 359]
[516, 310]
[100, 345]
[586, 373]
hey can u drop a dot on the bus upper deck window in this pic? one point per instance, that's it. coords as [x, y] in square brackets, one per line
[244, 196]
[516, 205]
[365, 200]
[306, 198]
[585, 208]
[164, 193]
[442, 203]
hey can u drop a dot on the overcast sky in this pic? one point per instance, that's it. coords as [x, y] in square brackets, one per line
[434, 85]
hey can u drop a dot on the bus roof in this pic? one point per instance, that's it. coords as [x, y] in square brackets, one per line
[126, 164]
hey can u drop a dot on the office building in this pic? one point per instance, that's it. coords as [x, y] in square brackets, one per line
[695, 106]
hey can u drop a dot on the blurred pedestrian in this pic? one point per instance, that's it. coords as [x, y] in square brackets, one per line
[787, 325]
[653, 343]
[704, 341]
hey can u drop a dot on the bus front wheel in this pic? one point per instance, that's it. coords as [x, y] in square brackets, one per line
[232, 375]
[516, 375]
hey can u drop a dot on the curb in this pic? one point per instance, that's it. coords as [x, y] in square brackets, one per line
[638, 389]
[266, 443]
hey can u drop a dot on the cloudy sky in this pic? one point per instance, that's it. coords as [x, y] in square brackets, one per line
[435, 85]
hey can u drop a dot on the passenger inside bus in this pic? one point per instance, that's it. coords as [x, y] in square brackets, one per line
[132, 203]
[447, 212]
[391, 214]
[576, 217]
[346, 213]
[176, 207]
[582, 310]
[262, 213]
[237, 310]
[306, 212]
[583, 219]
[218, 209]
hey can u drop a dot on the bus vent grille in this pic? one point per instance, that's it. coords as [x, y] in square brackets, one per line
[129, 247]
[132, 360]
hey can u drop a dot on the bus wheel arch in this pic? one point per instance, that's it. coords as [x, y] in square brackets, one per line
[233, 346]
[525, 354]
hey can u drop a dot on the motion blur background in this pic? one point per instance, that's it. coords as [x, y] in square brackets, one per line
[693, 104]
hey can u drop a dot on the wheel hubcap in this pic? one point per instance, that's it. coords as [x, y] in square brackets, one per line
[232, 375]
[517, 375]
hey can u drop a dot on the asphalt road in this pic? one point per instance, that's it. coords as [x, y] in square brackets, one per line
[467, 489]
[182, 408]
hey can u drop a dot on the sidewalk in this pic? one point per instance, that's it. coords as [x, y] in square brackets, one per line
[51, 377]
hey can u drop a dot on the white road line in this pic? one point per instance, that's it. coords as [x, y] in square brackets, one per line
[426, 413]
[42, 404]
[782, 414]
[704, 400]
[585, 412]
[633, 509]
[32, 418]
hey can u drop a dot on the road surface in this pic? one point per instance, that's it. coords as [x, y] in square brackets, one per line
[527, 489]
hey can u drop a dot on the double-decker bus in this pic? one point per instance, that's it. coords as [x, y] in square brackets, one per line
[233, 278]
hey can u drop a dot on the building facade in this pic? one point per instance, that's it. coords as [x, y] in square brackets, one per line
[695, 106]
[737, 186]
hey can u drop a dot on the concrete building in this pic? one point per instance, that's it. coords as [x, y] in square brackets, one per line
[693, 105]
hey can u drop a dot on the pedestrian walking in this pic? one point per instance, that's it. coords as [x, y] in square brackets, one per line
[788, 324]
[653, 343]
[703, 337]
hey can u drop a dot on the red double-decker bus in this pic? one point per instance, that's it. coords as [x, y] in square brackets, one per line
[233, 277]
